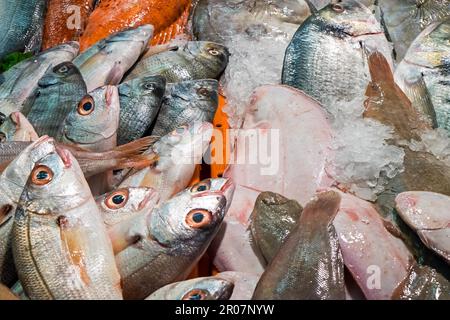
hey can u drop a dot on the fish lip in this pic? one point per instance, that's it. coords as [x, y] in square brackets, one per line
[65, 156]
[151, 194]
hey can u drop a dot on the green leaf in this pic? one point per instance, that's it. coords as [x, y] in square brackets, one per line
[12, 59]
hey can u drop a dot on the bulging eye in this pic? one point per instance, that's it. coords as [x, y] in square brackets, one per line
[61, 69]
[196, 294]
[198, 218]
[117, 199]
[41, 175]
[203, 92]
[338, 7]
[214, 52]
[149, 86]
[86, 106]
[201, 186]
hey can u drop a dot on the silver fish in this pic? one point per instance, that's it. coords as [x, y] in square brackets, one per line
[107, 61]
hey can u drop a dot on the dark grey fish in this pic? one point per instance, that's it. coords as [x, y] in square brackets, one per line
[272, 219]
[21, 25]
[20, 81]
[140, 100]
[423, 283]
[189, 61]
[327, 55]
[58, 92]
[309, 264]
[186, 102]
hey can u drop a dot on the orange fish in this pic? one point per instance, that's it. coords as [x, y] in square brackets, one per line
[167, 16]
[65, 21]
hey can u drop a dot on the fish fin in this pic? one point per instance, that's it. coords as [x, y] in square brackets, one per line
[379, 67]
[140, 145]
[160, 49]
[136, 162]
[114, 76]
[418, 89]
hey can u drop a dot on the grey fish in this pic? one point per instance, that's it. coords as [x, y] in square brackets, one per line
[309, 264]
[327, 55]
[18, 83]
[189, 61]
[429, 59]
[272, 219]
[186, 102]
[244, 284]
[58, 91]
[21, 25]
[60, 245]
[108, 60]
[404, 20]
[423, 283]
[165, 244]
[140, 101]
[12, 182]
[206, 288]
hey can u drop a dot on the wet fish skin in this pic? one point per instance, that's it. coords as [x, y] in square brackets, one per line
[60, 245]
[22, 79]
[427, 214]
[12, 182]
[429, 58]
[272, 220]
[65, 20]
[244, 284]
[58, 91]
[405, 20]
[21, 25]
[17, 128]
[423, 283]
[95, 129]
[309, 264]
[105, 62]
[140, 101]
[190, 61]
[327, 55]
[186, 102]
[165, 244]
[178, 154]
[206, 288]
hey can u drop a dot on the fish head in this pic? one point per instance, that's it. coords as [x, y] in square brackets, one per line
[65, 72]
[348, 17]
[138, 36]
[17, 128]
[205, 91]
[223, 186]
[95, 118]
[55, 185]
[189, 220]
[207, 288]
[124, 203]
[15, 175]
[184, 145]
[214, 55]
[152, 86]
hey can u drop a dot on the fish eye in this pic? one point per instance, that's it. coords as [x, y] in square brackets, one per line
[149, 86]
[61, 69]
[117, 199]
[86, 106]
[179, 130]
[203, 92]
[196, 294]
[201, 186]
[214, 52]
[41, 175]
[338, 7]
[198, 218]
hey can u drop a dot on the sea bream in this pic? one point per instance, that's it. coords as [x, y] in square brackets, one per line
[327, 57]
[428, 58]
[106, 61]
[60, 244]
[166, 243]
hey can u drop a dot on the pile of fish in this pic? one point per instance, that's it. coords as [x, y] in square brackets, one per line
[346, 105]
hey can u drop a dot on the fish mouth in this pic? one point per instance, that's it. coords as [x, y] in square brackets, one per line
[65, 156]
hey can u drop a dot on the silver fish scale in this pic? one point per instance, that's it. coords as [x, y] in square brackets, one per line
[7, 268]
[326, 67]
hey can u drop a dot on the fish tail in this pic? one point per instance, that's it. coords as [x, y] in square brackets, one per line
[379, 67]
